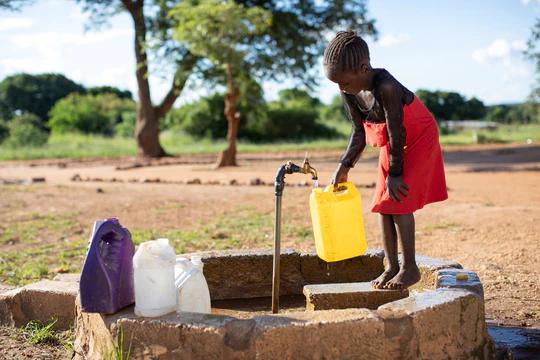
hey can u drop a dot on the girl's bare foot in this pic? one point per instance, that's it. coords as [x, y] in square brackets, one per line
[379, 282]
[406, 277]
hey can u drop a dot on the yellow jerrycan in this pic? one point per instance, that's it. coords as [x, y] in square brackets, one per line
[338, 225]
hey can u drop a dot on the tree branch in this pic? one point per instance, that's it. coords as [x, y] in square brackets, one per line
[129, 6]
[180, 77]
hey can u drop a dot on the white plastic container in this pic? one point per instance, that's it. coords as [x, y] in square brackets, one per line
[153, 271]
[191, 286]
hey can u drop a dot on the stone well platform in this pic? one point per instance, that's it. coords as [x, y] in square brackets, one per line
[441, 317]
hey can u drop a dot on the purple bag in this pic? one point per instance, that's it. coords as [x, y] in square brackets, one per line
[106, 284]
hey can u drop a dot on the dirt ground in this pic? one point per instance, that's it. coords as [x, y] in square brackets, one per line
[490, 223]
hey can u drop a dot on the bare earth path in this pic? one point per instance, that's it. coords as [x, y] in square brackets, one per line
[490, 224]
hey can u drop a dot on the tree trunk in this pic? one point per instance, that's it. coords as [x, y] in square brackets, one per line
[147, 126]
[147, 133]
[228, 156]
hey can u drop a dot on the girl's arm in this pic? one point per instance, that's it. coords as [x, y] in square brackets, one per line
[357, 141]
[393, 111]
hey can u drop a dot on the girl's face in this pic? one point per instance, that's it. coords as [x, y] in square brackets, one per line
[350, 82]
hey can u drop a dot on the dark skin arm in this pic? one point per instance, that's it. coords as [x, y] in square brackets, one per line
[357, 142]
[393, 111]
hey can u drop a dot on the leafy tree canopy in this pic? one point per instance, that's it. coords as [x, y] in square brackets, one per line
[34, 93]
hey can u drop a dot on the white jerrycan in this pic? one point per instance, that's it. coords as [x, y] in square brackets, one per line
[192, 290]
[153, 271]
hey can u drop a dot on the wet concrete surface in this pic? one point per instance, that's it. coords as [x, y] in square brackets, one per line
[521, 342]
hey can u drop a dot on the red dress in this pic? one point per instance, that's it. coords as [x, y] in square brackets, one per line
[423, 167]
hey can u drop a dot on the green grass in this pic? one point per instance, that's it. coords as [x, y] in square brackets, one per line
[245, 226]
[504, 134]
[36, 332]
[85, 146]
[26, 256]
[72, 146]
[118, 353]
[33, 227]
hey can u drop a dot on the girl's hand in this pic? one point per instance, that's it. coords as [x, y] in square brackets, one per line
[396, 187]
[340, 175]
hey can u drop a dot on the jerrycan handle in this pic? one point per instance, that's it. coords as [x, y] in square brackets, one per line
[343, 191]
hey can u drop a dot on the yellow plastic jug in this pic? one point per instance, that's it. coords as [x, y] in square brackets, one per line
[338, 225]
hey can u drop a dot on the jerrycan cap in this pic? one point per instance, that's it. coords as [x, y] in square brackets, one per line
[163, 241]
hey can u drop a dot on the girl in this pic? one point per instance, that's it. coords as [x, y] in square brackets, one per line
[385, 114]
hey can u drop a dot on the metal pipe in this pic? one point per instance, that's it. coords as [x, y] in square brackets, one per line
[279, 184]
[277, 253]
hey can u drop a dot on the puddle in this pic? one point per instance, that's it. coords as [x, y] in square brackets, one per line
[524, 343]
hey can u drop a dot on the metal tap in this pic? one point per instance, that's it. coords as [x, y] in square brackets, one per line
[308, 169]
[287, 168]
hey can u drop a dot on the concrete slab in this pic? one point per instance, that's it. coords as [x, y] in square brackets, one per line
[460, 279]
[4, 288]
[43, 301]
[358, 269]
[442, 323]
[447, 323]
[349, 295]
[428, 269]
[415, 327]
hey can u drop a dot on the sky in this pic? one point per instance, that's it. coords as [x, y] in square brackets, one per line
[472, 47]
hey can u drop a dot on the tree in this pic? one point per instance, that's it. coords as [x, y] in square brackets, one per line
[432, 102]
[473, 109]
[122, 94]
[289, 49]
[35, 94]
[298, 98]
[151, 27]
[448, 105]
[14, 5]
[294, 43]
[217, 30]
[333, 112]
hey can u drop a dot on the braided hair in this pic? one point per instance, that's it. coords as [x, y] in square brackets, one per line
[345, 51]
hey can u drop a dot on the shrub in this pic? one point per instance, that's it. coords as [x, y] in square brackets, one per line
[202, 118]
[26, 130]
[291, 123]
[97, 114]
[205, 118]
[126, 127]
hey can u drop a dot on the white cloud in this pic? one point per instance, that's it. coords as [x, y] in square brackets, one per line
[52, 38]
[15, 23]
[499, 50]
[527, 2]
[509, 56]
[393, 39]
[49, 48]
